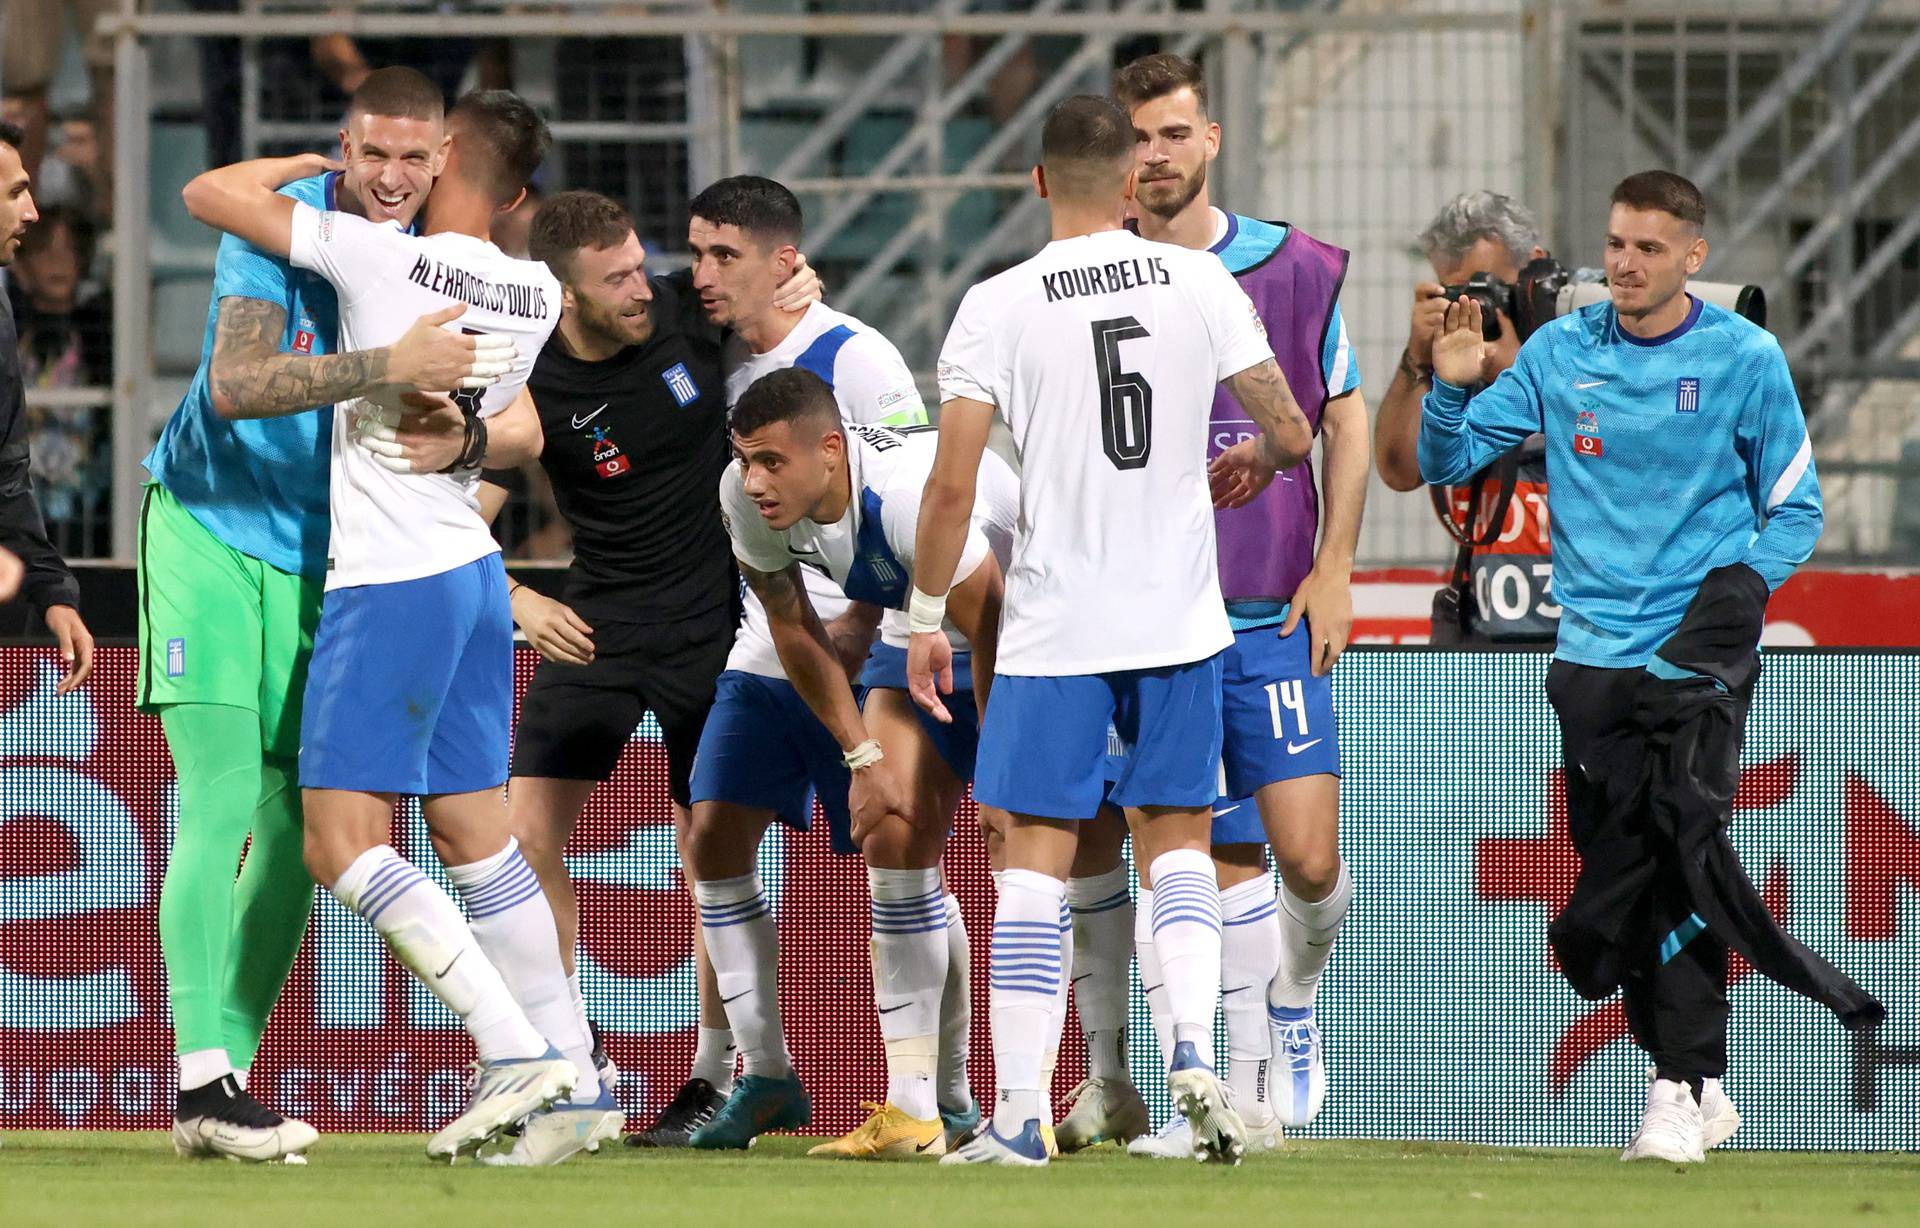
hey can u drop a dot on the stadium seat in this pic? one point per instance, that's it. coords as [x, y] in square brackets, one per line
[180, 244]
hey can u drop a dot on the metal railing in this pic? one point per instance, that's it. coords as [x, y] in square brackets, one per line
[1352, 119]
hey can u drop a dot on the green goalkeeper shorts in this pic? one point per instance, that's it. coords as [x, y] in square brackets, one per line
[221, 627]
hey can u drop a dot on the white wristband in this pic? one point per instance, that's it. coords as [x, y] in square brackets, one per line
[925, 613]
[864, 755]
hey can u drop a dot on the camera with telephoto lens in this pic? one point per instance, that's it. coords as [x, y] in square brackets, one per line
[1546, 289]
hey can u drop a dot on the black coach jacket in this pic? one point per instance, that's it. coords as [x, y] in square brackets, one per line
[1694, 727]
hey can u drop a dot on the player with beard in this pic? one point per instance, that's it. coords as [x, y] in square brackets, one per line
[1291, 610]
[633, 408]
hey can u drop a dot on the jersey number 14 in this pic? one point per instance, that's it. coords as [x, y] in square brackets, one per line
[1126, 398]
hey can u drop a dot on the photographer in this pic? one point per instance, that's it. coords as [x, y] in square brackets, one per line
[1499, 588]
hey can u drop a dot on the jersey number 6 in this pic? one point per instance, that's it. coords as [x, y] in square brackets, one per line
[1126, 398]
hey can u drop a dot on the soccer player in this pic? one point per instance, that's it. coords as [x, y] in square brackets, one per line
[1099, 357]
[633, 414]
[813, 492]
[1291, 610]
[763, 753]
[1684, 493]
[411, 687]
[233, 538]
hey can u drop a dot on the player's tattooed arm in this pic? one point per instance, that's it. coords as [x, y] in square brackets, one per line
[1263, 392]
[251, 377]
[807, 652]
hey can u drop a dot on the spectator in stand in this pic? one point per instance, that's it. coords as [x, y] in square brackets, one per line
[65, 327]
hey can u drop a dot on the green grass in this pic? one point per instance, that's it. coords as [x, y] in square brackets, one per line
[372, 1181]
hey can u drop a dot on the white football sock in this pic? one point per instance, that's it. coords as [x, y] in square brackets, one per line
[425, 931]
[909, 909]
[1153, 983]
[956, 1015]
[1186, 936]
[240, 1075]
[204, 1066]
[1102, 946]
[1307, 931]
[744, 945]
[513, 923]
[1249, 958]
[1026, 977]
[714, 1058]
[1051, 1061]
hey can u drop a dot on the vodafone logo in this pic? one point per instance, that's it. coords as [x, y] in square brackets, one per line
[1588, 445]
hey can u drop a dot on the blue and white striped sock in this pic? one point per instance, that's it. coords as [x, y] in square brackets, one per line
[1102, 948]
[1249, 958]
[1026, 977]
[1186, 937]
[909, 972]
[955, 1093]
[513, 923]
[742, 941]
[1052, 1059]
[425, 931]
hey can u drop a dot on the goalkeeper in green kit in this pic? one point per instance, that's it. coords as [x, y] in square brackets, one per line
[232, 558]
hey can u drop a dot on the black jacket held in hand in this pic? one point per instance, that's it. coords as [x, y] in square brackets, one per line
[48, 582]
[1694, 730]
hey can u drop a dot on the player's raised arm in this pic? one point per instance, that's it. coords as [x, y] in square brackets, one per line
[946, 508]
[1458, 436]
[244, 199]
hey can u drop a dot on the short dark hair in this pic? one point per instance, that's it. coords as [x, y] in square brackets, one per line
[759, 206]
[1665, 191]
[572, 221]
[1086, 144]
[791, 394]
[506, 141]
[12, 134]
[1156, 76]
[54, 218]
[405, 93]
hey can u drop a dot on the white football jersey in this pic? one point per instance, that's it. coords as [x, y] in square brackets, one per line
[868, 553]
[872, 384]
[387, 526]
[1101, 355]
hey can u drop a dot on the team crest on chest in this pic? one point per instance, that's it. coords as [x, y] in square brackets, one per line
[1686, 396]
[680, 383]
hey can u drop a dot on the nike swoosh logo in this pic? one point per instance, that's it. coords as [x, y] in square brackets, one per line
[1235, 989]
[735, 998]
[579, 422]
[1294, 748]
[1578, 386]
[803, 554]
[1327, 943]
[888, 1010]
[1076, 980]
[450, 963]
[930, 1142]
[1221, 814]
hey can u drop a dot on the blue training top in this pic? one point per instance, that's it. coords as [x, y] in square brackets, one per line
[259, 484]
[1666, 457]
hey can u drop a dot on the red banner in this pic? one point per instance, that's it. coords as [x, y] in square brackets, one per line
[1832, 609]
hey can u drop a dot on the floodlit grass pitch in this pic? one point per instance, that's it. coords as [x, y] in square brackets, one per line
[131, 1180]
